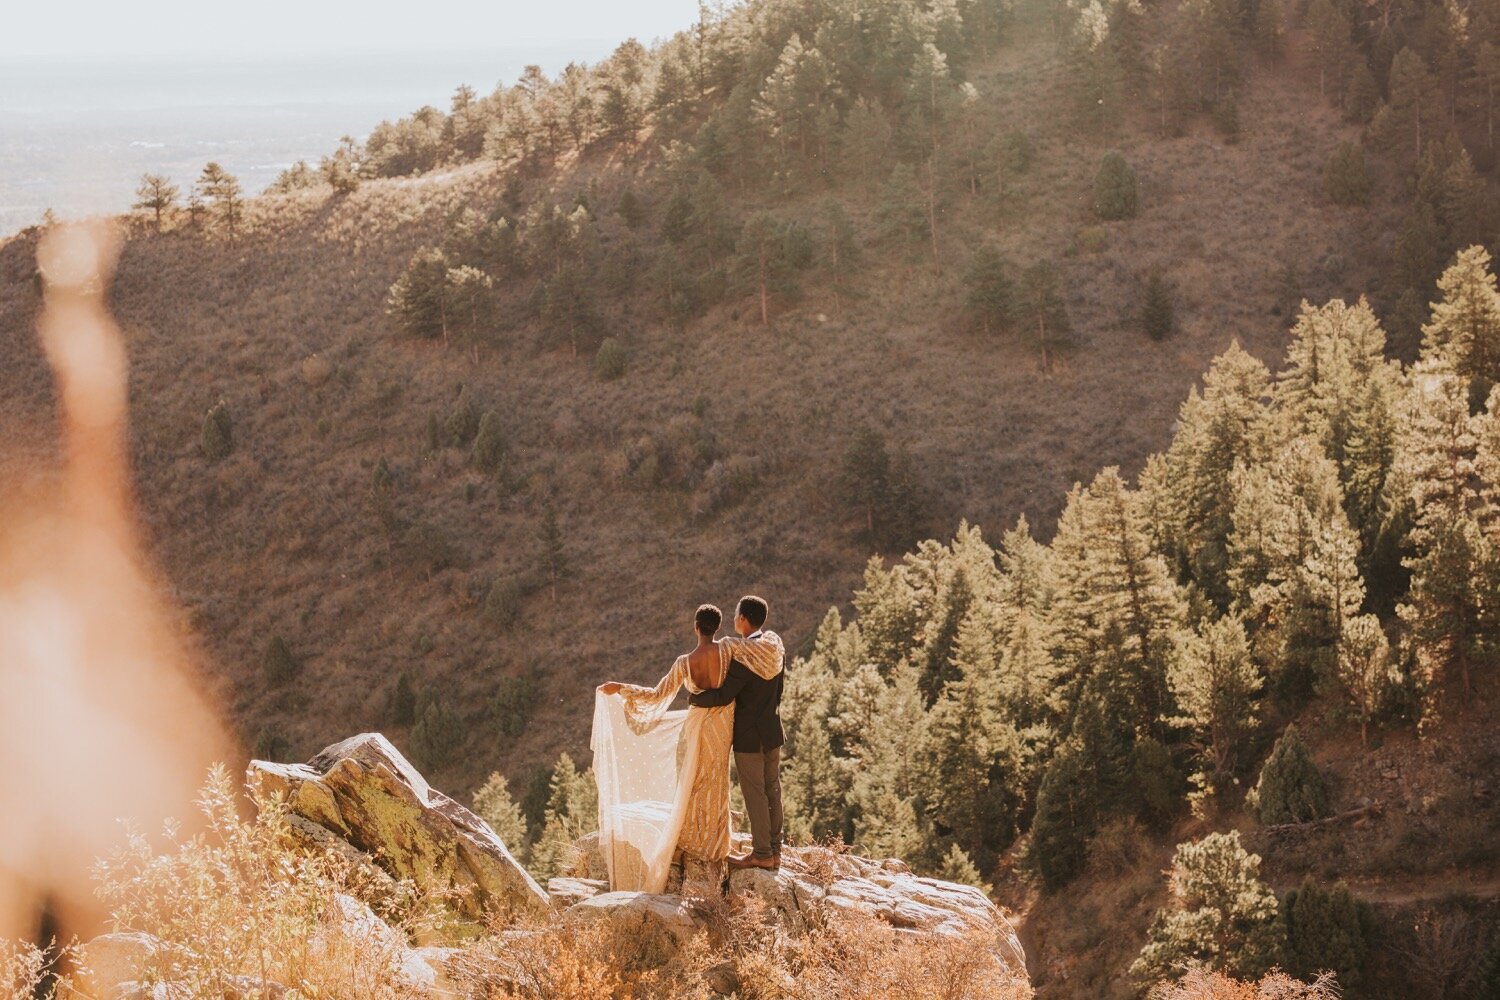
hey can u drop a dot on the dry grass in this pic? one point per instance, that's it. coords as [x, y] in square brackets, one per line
[1201, 984]
[240, 902]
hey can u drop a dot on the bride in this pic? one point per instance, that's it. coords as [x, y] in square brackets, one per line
[664, 776]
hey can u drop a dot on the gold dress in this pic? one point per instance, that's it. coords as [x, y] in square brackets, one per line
[705, 823]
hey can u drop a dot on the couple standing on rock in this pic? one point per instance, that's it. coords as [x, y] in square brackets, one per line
[664, 776]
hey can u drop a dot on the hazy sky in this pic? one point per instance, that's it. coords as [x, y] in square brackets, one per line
[271, 28]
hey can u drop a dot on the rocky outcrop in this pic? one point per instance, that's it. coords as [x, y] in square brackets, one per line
[811, 884]
[368, 797]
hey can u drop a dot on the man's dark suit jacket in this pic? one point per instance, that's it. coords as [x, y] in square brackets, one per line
[757, 707]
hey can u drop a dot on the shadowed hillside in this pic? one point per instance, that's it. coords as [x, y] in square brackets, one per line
[745, 426]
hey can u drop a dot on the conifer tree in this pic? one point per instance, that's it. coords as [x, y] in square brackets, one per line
[1345, 178]
[1366, 670]
[957, 867]
[976, 761]
[1116, 604]
[494, 805]
[278, 663]
[1290, 788]
[889, 618]
[1329, 33]
[1324, 932]
[1156, 308]
[217, 439]
[1221, 914]
[403, 705]
[1223, 425]
[991, 299]
[219, 187]
[903, 208]
[1027, 669]
[1410, 120]
[554, 556]
[1436, 459]
[572, 811]
[1464, 332]
[438, 732]
[467, 297]
[1215, 683]
[461, 423]
[155, 194]
[1041, 310]
[418, 301]
[951, 609]
[490, 444]
[1115, 188]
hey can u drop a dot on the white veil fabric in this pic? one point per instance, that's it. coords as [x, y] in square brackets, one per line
[644, 761]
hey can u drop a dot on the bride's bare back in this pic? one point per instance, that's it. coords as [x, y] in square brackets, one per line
[705, 667]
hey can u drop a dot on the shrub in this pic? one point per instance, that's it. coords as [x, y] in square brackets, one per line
[1345, 178]
[1221, 914]
[271, 744]
[514, 699]
[462, 423]
[403, 703]
[1290, 788]
[490, 444]
[437, 733]
[218, 432]
[612, 359]
[1115, 188]
[1156, 311]
[278, 663]
[1204, 984]
[502, 604]
[1227, 118]
[1323, 931]
[426, 548]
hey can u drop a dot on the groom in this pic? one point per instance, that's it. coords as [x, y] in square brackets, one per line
[753, 685]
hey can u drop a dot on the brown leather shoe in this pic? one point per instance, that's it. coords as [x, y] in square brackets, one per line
[751, 861]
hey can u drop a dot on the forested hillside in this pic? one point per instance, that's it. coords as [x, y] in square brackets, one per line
[468, 417]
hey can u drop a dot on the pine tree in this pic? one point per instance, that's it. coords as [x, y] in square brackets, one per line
[953, 602]
[1041, 310]
[403, 703]
[1345, 178]
[554, 557]
[976, 761]
[467, 298]
[278, 663]
[957, 867]
[1156, 308]
[490, 443]
[156, 194]
[217, 439]
[991, 298]
[889, 617]
[1223, 425]
[1330, 32]
[219, 186]
[1366, 670]
[1215, 683]
[1436, 459]
[1116, 606]
[1116, 194]
[1290, 788]
[1410, 120]
[461, 423]
[902, 209]
[494, 805]
[866, 475]
[418, 301]
[1324, 932]
[572, 811]
[438, 732]
[1464, 332]
[1221, 914]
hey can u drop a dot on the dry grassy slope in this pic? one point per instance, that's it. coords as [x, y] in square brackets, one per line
[275, 540]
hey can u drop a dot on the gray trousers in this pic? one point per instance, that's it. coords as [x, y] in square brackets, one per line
[760, 781]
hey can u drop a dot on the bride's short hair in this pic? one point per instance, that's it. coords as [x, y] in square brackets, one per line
[708, 619]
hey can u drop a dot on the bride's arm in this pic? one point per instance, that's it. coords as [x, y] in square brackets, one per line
[645, 705]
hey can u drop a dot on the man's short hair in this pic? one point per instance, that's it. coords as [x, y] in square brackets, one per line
[708, 619]
[753, 609]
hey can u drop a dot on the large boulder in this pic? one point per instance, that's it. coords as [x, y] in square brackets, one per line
[813, 881]
[366, 794]
[668, 921]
